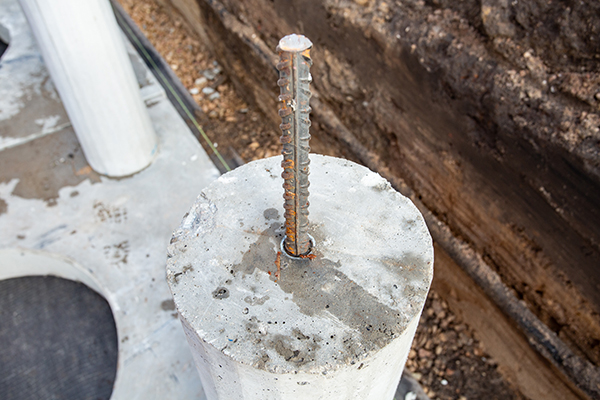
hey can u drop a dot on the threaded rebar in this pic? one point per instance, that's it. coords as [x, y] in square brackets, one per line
[294, 80]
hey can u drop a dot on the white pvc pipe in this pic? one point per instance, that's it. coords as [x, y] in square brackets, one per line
[84, 51]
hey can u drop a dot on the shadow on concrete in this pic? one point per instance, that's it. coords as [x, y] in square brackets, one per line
[3, 47]
[4, 40]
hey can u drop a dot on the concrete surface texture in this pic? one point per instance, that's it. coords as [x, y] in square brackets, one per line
[58, 217]
[85, 54]
[29, 104]
[263, 325]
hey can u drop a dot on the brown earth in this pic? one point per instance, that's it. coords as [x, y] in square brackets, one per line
[445, 358]
[228, 120]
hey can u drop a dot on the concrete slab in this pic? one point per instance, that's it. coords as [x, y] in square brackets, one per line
[58, 217]
[45, 165]
[29, 104]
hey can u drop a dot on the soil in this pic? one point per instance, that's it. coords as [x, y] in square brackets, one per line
[229, 122]
[445, 358]
[449, 363]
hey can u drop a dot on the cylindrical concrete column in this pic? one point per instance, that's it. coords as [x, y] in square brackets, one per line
[335, 325]
[84, 51]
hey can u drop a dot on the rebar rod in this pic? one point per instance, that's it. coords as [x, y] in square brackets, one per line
[294, 80]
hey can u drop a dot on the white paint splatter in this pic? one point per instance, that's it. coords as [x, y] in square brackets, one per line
[410, 396]
[21, 67]
[48, 124]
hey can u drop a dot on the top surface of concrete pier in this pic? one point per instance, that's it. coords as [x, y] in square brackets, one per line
[371, 272]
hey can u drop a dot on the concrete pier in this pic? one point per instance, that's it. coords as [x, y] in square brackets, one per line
[337, 325]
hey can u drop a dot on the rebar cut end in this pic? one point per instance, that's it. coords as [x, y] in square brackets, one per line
[294, 43]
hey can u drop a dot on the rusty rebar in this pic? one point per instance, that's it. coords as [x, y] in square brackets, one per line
[294, 80]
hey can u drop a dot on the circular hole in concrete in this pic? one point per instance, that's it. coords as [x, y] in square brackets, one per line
[58, 340]
[4, 40]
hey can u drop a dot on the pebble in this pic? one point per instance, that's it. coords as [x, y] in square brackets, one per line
[208, 90]
[214, 96]
[201, 81]
[243, 110]
[254, 145]
[194, 91]
[437, 307]
[424, 353]
[597, 96]
[211, 74]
